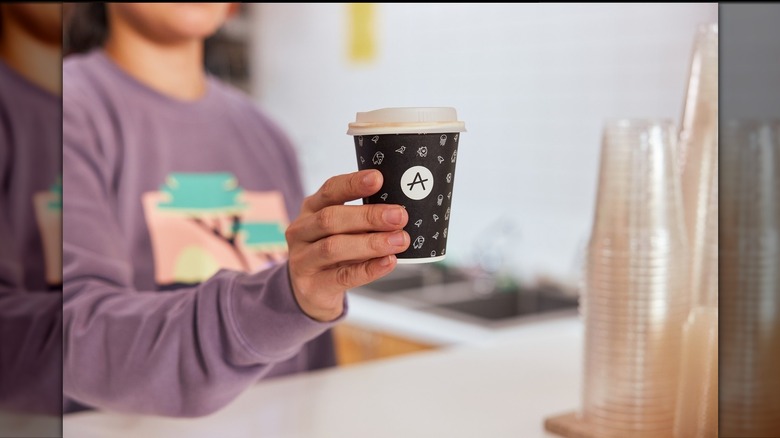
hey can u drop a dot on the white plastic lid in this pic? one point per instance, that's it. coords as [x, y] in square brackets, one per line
[412, 120]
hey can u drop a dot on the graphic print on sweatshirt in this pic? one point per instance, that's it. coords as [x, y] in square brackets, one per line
[200, 223]
[48, 215]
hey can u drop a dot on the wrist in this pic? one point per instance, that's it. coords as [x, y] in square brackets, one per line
[312, 305]
[321, 313]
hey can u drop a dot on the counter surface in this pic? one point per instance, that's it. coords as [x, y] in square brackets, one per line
[500, 386]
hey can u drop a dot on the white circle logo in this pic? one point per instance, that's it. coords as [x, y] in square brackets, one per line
[417, 182]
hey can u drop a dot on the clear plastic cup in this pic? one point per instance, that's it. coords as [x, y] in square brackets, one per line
[698, 158]
[634, 300]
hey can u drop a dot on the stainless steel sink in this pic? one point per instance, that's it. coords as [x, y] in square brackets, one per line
[456, 294]
[506, 307]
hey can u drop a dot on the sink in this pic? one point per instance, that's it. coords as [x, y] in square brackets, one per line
[455, 294]
[507, 306]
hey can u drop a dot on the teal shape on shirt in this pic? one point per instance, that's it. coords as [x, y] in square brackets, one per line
[201, 192]
[56, 190]
[263, 234]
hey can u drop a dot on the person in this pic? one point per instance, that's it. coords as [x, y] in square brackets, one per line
[30, 244]
[193, 265]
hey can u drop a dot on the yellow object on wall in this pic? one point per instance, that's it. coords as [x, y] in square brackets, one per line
[362, 31]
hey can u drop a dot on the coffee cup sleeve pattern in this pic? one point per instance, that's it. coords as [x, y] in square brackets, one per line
[429, 213]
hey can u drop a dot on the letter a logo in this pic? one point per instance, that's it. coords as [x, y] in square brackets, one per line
[417, 182]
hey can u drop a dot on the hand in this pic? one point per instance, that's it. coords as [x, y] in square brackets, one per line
[335, 247]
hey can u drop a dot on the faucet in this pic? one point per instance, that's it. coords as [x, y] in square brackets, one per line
[491, 253]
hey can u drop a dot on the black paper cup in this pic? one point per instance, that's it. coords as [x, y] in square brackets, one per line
[416, 149]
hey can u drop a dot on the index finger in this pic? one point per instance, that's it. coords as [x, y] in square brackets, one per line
[343, 188]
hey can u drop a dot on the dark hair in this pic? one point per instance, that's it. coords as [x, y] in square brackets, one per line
[86, 27]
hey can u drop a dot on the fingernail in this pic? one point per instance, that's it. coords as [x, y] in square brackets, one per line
[397, 239]
[369, 179]
[393, 216]
[386, 261]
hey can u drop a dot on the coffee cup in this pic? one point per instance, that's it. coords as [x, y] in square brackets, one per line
[416, 150]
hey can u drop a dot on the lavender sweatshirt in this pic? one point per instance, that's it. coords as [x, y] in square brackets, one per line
[176, 290]
[30, 303]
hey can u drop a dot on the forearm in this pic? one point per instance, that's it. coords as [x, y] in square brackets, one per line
[183, 353]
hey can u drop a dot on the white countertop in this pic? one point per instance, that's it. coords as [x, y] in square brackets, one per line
[499, 386]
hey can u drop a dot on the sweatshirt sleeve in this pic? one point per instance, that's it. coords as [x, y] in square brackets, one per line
[182, 353]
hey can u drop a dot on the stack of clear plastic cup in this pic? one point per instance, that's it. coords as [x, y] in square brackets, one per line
[698, 152]
[697, 405]
[749, 237]
[634, 299]
[697, 396]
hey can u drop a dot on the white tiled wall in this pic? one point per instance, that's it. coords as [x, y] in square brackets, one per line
[533, 82]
